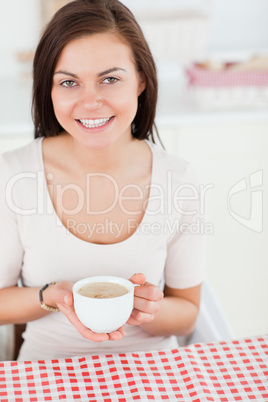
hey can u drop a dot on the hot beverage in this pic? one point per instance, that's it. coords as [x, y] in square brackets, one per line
[102, 290]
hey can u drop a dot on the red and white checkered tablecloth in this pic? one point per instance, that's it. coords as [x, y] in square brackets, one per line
[219, 371]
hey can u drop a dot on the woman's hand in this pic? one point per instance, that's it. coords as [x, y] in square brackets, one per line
[147, 299]
[61, 295]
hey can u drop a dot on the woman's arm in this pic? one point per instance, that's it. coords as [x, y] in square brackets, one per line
[177, 314]
[21, 305]
[173, 314]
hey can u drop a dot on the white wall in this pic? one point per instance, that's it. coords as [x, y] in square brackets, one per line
[236, 25]
[239, 25]
[152, 5]
[19, 31]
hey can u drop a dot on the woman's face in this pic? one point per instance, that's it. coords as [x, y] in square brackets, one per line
[95, 90]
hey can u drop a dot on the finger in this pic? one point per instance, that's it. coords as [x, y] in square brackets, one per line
[132, 321]
[138, 279]
[141, 316]
[149, 292]
[68, 299]
[117, 335]
[138, 317]
[146, 306]
[82, 329]
[122, 331]
[65, 297]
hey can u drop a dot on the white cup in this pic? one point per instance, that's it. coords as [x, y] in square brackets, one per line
[103, 315]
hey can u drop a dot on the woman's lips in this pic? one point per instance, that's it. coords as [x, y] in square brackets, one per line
[93, 123]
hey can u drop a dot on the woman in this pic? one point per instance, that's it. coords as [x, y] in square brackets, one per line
[94, 194]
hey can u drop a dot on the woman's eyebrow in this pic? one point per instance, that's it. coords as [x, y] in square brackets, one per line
[110, 70]
[66, 73]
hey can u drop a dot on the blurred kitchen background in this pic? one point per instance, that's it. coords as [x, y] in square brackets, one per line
[212, 59]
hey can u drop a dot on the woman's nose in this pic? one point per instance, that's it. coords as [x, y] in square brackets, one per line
[90, 97]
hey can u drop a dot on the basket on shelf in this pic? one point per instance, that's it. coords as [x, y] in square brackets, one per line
[229, 85]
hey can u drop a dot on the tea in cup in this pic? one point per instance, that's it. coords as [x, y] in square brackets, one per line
[103, 303]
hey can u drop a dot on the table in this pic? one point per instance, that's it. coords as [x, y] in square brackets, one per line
[220, 371]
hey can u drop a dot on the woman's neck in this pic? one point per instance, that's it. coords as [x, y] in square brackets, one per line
[111, 159]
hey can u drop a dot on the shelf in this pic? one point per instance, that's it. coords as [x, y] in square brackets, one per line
[176, 108]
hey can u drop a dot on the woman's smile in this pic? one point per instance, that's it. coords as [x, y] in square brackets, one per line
[93, 123]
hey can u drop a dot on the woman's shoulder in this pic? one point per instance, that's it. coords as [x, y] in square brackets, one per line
[176, 167]
[22, 158]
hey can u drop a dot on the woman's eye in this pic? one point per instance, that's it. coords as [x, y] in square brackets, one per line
[110, 80]
[68, 84]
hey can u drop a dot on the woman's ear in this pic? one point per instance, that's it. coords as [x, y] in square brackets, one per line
[142, 82]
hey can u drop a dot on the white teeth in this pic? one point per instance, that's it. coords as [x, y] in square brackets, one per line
[94, 123]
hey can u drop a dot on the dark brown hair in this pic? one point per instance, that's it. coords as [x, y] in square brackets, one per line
[86, 17]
